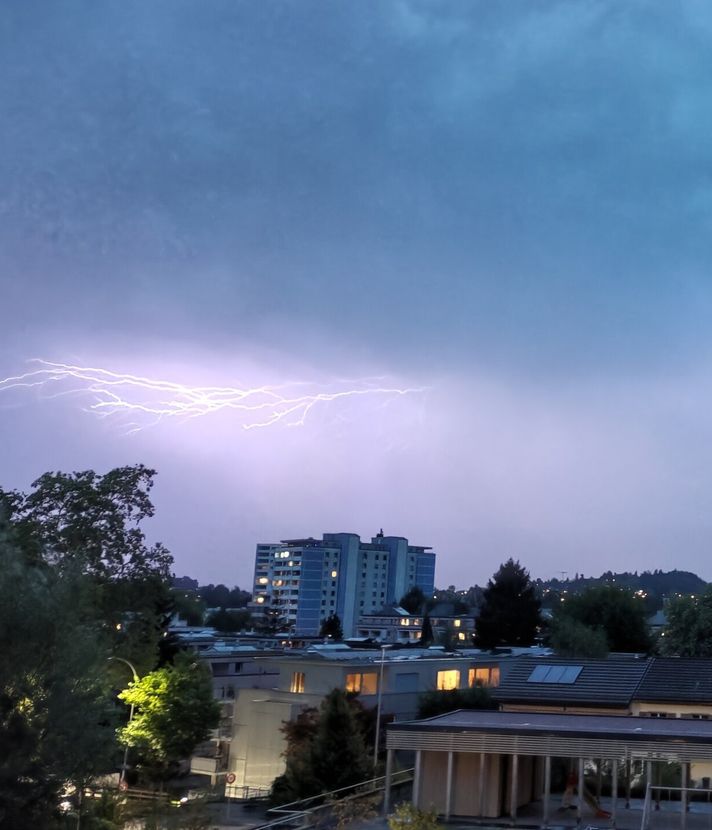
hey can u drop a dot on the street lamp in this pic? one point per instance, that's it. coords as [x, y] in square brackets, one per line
[124, 766]
[378, 709]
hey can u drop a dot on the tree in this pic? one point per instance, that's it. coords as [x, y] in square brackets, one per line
[408, 817]
[93, 519]
[89, 524]
[688, 632]
[325, 751]
[189, 606]
[617, 613]
[426, 632]
[571, 638]
[272, 621]
[413, 601]
[338, 752]
[220, 596]
[56, 720]
[510, 611]
[174, 712]
[230, 621]
[331, 628]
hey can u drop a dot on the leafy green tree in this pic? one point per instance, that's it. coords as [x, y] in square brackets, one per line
[571, 638]
[174, 712]
[413, 601]
[189, 606]
[220, 596]
[510, 611]
[325, 751]
[617, 613]
[331, 628]
[272, 621]
[688, 632]
[56, 719]
[439, 702]
[93, 519]
[89, 524]
[338, 752]
[230, 621]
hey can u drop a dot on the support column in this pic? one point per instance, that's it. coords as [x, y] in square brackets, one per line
[387, 783]
[416, 777]
[683, 795]
[614, 791]
[448, 786]
[628, 776]
[547, 788]
[483, 761]
[515, 788]
[579, 805]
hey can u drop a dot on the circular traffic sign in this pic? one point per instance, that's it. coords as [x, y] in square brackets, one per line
[230, 778]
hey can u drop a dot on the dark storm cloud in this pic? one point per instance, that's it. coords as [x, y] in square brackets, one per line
[509, 202]
[475, 166]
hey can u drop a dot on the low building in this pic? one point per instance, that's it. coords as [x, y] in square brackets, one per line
[489, 764]
[398, 677]
[233, 667]
[396, 625]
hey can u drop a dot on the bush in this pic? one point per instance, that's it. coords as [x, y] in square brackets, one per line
[408, 817]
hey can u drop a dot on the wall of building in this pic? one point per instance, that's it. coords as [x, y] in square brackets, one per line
[465, 784]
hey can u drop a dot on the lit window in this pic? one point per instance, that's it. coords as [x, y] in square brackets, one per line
[297, 682]
[260, 600]
[449, 679]
[334, 574]
[494, 676]
[478, 677]
[369, 683]
[457, 623]
[263, 580]
[365, 684]
[461, 635]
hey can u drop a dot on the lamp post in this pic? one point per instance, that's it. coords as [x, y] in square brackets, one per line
[124, 766]
[378, 709]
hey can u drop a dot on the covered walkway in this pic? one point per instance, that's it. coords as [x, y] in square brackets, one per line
[498, 765]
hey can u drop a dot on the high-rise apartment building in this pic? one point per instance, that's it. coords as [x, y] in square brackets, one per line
[306, 580]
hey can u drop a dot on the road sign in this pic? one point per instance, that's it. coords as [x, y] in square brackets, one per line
[230, 778]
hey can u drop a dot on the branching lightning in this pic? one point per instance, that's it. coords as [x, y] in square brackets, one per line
[148, 401]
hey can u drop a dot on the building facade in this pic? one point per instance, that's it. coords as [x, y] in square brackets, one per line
[301, 681]
[304, 581]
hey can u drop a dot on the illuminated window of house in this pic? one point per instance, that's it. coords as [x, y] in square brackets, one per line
[461, 635]
[297, 682]
[479, 677]
[457, 623]
[449, 679]
[365, 684]
[494, 676]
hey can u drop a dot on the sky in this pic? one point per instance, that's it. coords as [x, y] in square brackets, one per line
[489, 220]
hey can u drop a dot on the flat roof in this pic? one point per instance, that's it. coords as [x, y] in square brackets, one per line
[612, 727]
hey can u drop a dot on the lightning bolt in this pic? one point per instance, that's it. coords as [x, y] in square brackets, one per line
[150, 401]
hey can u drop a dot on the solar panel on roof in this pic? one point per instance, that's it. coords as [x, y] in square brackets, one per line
[554, 674]
[570, 674]
[538, 675]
